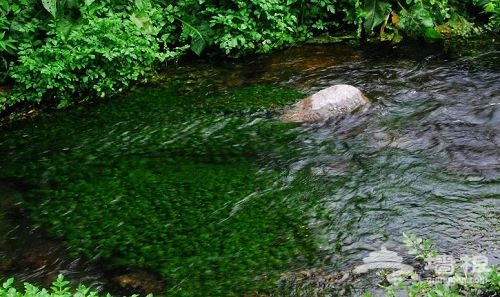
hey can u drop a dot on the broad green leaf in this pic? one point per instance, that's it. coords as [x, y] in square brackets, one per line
[376, 12]
[50, 6]
[198, 42]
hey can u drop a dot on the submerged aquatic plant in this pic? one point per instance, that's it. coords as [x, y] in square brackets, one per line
[183, 192]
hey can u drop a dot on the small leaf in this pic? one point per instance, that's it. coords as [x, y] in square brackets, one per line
[8, 283]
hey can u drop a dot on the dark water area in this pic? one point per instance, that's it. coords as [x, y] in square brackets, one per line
[195, 188]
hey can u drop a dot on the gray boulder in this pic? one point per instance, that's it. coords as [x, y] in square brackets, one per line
[331, 102]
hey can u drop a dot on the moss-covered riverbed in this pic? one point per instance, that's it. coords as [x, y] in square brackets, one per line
[184, 186]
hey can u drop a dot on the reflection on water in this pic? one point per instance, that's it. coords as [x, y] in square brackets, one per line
[424, 159]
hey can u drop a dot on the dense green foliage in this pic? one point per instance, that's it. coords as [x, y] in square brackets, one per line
[65, 51]
[65, 68]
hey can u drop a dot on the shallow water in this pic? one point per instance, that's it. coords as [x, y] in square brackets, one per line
[237, 190]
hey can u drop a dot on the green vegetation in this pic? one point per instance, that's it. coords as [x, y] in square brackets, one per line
[59, 288]
[181, 219]
[484, 283]
[67, 51]
[465, 285]
[180, 187]
[489, 286]
[421, 248]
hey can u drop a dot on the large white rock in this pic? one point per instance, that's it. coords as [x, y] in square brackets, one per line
[334, 101]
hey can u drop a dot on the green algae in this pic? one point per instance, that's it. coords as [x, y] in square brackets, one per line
[177, 184]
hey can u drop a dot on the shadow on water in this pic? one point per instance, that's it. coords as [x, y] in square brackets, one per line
[200, 183]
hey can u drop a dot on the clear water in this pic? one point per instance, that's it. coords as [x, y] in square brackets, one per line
[423, 159]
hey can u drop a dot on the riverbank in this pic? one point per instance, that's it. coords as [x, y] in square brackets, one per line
[452, 46]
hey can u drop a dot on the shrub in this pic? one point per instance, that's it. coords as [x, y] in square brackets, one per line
[19, 21]
[67, 51]
[97, 59]
[255, 27]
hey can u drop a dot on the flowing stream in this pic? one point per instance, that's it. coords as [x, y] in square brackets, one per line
[198, 183]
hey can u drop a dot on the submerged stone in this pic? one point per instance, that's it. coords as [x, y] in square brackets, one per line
[334, 101]
[139, 282]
